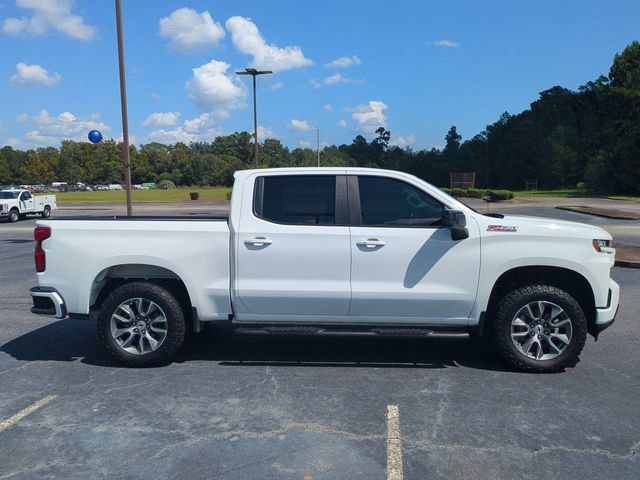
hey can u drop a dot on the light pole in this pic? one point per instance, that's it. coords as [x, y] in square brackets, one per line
[123, 104]
[254, 73]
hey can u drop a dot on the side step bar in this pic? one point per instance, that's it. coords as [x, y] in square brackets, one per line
[348, 330]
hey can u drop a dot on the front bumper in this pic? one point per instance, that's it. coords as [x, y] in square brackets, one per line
[48, 301]
[605, 316]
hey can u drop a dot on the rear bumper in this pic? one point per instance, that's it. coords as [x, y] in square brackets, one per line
[48, 301]
[605, 316]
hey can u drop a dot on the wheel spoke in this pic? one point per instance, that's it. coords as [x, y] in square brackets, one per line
[549, 340]
[121, 331]
[153, 343]
[539, 351]
[563, 338]
[541, 309]
[560, 323]
[128, 341]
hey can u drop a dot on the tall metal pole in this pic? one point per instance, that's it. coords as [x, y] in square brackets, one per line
[255, 123]
[123, 104]
[318, 145]
[254, 73]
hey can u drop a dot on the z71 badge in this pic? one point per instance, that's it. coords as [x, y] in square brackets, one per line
[502, 228]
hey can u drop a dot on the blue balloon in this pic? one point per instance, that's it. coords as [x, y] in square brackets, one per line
[95, 136]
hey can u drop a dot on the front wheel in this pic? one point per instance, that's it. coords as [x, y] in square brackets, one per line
[539, 328]
[14, 216]
[141, 324]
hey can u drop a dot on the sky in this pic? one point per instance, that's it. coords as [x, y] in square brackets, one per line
[343, 67]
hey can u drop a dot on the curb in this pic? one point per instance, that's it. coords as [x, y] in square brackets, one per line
[598, 214]
[627, 264]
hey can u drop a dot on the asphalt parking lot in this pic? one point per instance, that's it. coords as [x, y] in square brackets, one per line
[243, 407]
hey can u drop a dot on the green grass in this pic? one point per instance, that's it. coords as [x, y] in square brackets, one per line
[569, 193]
[176, 195]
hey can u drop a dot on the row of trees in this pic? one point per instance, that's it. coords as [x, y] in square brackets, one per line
[591, 135]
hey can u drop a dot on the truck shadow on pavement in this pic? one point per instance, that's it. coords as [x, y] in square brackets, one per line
[73, 340]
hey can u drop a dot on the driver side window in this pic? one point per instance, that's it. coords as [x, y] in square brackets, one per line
[25, 196]
[394, 203]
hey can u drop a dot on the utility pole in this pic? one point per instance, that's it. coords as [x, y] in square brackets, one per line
[318, 144]
[254, 73]
[123, 104]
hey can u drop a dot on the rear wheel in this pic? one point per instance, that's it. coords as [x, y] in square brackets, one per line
[46, 213]
[141, 324]
[14, 216]
[539, 328]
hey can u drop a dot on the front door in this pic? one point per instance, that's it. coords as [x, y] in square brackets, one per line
[293, 251]
[404, 265]
[26, 202]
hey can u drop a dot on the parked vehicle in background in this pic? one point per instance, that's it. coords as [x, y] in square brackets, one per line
[329, 250]
[16, 204]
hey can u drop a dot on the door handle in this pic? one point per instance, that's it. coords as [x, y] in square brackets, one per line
[371, 242]
[258, 241]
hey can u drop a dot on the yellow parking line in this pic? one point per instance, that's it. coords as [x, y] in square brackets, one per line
[394, 448]
[23, 413]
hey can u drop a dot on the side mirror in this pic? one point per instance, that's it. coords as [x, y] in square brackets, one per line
[455, 221]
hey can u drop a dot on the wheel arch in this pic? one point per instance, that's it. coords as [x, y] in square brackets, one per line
[572, 282]
[114, 276]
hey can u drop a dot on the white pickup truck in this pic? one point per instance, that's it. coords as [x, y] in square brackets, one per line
[17, 204]
[327, 250]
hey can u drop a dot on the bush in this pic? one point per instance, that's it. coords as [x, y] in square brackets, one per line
[476, 193]
[229, 195]
[446, 190]
[194, 195]
[498, 195]
[581, 186]
[458, 192]
[166, 185]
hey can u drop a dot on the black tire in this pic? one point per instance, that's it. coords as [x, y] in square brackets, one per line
[508, 307]
[14, 216]
[175, 320]
[46, 213]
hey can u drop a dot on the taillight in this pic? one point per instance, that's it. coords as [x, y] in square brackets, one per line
[40, 234]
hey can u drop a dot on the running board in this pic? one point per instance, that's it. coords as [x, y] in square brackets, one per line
[347, 330]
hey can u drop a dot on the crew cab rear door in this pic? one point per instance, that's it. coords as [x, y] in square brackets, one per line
[293, 248]
[405, 266]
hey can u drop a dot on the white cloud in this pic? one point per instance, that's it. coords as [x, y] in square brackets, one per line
[34, 75]
[66, 126]
[211, 88]
[299, 125]
[334, 80]
[204, 128]
[305, 144]
[403, 141]
[22, 118]
[370, 116]
[265, 132]
[277, 86]
[328, 108]
[161, 119]
[49, 15]
[247, 39]
[190, 31]
[344, 62]
[342, 123]
[12, 142]
[445, 43]
[155, 96]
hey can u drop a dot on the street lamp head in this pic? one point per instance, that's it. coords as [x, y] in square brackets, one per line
[253, 72]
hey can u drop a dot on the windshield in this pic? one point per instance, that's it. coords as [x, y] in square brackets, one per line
[9, 195]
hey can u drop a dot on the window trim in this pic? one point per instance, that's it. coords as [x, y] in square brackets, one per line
[341, 207]
[355, 206]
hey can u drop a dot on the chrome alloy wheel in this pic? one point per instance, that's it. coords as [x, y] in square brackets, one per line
[138, 326]
[541, 330]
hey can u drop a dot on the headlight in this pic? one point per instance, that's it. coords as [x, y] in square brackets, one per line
[603, 246]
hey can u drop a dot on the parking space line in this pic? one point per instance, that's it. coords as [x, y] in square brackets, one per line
[23, 413]
[394, 448]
